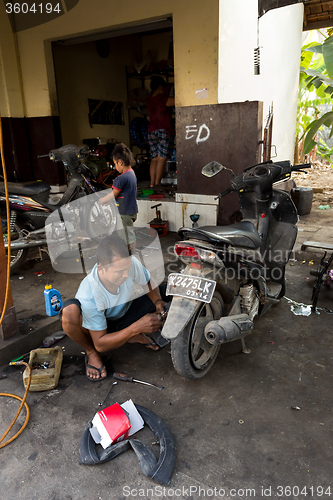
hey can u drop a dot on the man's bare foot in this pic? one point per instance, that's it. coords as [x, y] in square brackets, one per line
[141, 338]
[95, 368]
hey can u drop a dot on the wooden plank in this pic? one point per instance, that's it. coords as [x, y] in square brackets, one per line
[317, 244]
[228, 133]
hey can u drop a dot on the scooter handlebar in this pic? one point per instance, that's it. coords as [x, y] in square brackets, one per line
[295, 168]
[224, 193]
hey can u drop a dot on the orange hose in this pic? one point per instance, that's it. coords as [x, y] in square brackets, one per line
[8, 222]
[23, 402]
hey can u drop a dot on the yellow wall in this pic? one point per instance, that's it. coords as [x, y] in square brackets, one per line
[11, 99]
[195, 46]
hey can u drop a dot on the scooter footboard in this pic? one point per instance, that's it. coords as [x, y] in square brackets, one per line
[179, 315]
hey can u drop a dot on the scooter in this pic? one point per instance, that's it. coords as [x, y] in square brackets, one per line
[233, 273]
[30, 207]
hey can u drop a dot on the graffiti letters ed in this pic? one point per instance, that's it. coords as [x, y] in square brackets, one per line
[201, 134]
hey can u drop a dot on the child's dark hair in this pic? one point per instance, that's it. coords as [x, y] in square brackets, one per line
[156, 81]
[110, 247]
[122, 152]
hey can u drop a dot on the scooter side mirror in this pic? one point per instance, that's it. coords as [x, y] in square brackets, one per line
[212, 169]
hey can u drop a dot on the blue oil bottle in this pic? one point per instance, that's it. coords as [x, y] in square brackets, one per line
[53, 300]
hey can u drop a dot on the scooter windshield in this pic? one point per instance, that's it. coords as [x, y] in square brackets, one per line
[74, 232]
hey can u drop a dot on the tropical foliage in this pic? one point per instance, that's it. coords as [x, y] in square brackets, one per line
[315, 91]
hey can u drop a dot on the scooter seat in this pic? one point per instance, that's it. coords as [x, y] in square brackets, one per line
[30, 188]
[242, 234]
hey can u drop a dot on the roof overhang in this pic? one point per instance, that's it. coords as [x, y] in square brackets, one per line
[317, 13]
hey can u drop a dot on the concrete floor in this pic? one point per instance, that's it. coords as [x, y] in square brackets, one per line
[237, 431]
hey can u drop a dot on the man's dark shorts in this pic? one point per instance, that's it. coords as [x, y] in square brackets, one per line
[139, 308]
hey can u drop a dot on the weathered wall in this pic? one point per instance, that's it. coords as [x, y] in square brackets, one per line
[31, 81]
[195, 45]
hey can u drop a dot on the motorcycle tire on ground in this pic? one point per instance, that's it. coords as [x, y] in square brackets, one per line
[100, 221]
[17, 257]
[192, 356]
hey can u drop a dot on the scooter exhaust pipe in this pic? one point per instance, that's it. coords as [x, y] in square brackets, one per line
[228, 328]
[21, 245]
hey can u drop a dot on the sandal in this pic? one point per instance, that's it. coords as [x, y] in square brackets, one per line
[149, 345]
[100, 369]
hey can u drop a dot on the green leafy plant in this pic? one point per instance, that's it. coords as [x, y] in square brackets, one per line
[324, 150]
[316, 78]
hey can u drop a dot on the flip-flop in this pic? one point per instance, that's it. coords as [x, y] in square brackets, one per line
[152, 344]
[100, 369]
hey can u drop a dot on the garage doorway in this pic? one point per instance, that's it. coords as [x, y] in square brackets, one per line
[102, 82]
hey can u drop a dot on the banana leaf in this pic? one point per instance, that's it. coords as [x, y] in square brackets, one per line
[309, 143]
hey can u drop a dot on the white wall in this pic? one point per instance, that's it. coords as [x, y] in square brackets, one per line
[178, 212]
[280, 39]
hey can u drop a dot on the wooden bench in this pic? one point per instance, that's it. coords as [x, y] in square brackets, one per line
[317, 244]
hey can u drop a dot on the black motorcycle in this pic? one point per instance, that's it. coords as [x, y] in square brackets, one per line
[30, 207]
[233, 273]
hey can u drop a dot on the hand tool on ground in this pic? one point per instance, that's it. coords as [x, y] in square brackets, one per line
[102, 402]
[13, 361]
[126, 378]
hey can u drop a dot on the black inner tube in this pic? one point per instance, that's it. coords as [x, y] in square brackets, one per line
[160, 469]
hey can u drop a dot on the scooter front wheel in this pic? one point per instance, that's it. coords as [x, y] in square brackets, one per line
[101, 221]
[17, 257]
[192, 355]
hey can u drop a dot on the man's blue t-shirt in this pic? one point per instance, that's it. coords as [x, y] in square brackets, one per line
[98, 304]
[126, 200]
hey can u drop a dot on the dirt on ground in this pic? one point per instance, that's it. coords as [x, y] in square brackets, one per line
[320, 179]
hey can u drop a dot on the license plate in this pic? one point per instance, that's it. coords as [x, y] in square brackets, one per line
[191, 287]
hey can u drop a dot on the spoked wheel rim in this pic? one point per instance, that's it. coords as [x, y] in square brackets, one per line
[15, 255]
[102, 220]
[201, 352]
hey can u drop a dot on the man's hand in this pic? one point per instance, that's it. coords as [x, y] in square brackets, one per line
[160, 305]
[149, 323]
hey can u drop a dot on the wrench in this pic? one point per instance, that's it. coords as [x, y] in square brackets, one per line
[102, 402]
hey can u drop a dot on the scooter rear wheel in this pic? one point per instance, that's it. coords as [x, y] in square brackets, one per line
[17, 257]
[192, 355]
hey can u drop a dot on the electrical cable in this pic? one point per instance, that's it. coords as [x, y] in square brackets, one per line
[23, 403]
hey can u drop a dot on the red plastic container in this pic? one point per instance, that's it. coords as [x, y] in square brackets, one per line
[161, 228]
[156, 196]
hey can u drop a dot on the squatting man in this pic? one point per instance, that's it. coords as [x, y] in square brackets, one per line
[103, 316]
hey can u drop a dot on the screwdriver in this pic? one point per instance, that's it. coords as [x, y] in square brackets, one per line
[126, 378]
